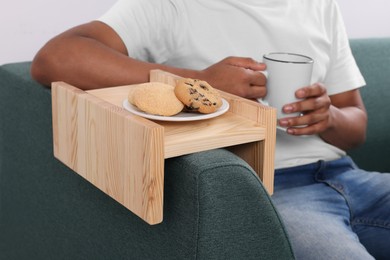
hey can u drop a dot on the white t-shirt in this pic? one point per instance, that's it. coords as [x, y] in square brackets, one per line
[197, 33]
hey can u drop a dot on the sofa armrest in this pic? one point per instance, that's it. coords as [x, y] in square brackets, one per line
[214, 204]
[373, 58]
[235, 216]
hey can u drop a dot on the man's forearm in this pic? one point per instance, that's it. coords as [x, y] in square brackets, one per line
[88, 64]
[93, 56]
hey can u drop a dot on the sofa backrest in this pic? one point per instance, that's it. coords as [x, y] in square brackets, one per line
[373, 59]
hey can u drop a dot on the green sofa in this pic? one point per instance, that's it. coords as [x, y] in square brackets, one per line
[373, 58]
[214, 206]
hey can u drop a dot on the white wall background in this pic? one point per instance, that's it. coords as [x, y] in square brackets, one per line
[25, 25]
[366, 18]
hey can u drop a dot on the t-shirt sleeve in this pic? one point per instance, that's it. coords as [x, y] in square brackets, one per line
[343, 73]
[145, 26]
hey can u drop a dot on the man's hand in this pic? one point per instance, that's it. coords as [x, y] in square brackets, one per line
[340, 119]
[315, 110]
[236, 75]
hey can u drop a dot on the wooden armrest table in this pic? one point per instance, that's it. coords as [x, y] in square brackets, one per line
[123, 154]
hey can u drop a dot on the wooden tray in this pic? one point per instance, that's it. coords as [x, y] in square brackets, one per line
[123, 154]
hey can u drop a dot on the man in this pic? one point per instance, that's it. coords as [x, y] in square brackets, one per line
[317, 188]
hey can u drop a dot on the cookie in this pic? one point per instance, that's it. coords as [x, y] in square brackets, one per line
[130, 96]
[198, 95]
[156, 98]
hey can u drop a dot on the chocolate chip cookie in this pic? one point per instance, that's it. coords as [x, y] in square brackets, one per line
[198, 95]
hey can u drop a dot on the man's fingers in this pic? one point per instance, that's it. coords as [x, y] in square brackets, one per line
[314, 90]
[247, 63]
[258, 78]
[257, 92]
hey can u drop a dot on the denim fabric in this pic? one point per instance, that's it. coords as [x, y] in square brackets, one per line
[333, 210]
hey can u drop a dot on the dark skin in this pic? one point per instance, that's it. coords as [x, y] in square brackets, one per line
[76, 56]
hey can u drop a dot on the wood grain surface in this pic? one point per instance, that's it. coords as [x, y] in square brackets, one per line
[123, 154]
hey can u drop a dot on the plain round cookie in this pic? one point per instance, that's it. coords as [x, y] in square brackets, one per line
[130, 96]
[156, 98]
[198, 95]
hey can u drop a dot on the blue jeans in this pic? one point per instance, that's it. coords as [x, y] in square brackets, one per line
[333, 210]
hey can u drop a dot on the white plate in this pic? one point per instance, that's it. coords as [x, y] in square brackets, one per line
[183, 116]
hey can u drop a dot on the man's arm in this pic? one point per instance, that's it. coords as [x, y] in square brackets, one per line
[92, 56]
[89, 56]
[348, 124]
